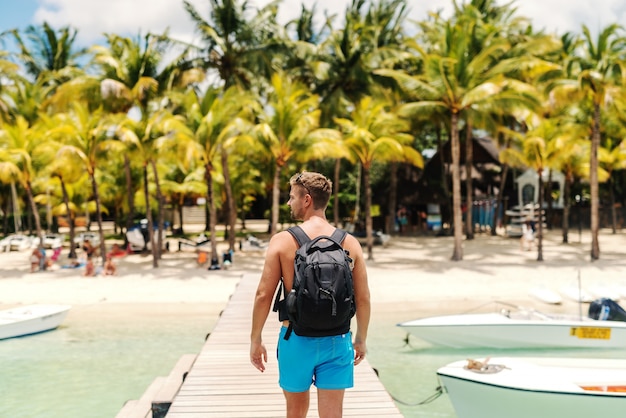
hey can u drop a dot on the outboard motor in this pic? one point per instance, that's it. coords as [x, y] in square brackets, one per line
[605, 309]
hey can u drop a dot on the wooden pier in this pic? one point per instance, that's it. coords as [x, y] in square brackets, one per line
[223, 383]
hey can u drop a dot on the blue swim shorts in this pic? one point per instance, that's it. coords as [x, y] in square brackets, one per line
[327, 362]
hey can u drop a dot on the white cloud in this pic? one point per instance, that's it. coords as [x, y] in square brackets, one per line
[552, 15]
[291, 8]
[92, 18]
[562, 16]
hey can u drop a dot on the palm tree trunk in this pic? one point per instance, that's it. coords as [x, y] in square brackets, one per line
[393, 197]
[457, 216]
[230, 202]
[161, 210]
[17, 215]
[566, 208]
[129, 193]
[444, 175]
[357, 203]
[593, 183]
[548, 199]
[613, 211]
[96, 197]
[33, 207]
[275, 199]
[180, 214]
[540, 216]
[70, 218]
[469, 186]
[146, 193]
[212, 213]
[336, 177]
[5, 219]
[500, 200]
[368, 214]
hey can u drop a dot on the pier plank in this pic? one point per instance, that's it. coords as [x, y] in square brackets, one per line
[223, 383]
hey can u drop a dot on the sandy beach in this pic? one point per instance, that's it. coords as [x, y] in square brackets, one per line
[411, 275]
[410, 278]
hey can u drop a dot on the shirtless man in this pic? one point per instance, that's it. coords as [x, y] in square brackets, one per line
[308, 198]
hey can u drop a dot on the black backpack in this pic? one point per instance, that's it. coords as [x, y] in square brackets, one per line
[321, 302]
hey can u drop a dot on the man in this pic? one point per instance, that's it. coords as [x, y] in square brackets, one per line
[332, 373]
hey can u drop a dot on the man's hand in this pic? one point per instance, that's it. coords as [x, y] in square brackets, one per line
[359, 351]
[258, 355]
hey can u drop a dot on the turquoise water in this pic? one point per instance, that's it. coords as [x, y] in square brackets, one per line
[97, 360]
[104, 355]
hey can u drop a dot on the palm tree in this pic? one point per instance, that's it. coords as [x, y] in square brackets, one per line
[344, 63]
[49, 55]
[64, 173]
[460, 82]
[374, 134]
[8, 75]
[289, 130]
[180, 183]
[236, 49]
[600, 79]
[213, 121]
[536, 149]
[18, 162]
[86, 135]
[572, 159]
[136, 73]
[611, 157]
[150, 137]
[299, 55]
[133, 72]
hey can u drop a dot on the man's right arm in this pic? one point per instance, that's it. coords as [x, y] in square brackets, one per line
[263, 299]
[362, 299]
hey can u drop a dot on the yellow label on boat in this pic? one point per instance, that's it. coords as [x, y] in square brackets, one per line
[591, 332]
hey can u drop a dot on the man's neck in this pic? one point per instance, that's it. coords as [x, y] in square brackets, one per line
[315, 218]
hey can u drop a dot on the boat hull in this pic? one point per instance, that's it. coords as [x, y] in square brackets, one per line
[527, 390]
[31, 319]
[498, 331]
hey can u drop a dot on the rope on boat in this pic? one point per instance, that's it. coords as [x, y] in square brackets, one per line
[438, 393]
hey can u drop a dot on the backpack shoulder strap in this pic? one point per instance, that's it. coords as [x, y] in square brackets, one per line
[299, 234]
[339, 235]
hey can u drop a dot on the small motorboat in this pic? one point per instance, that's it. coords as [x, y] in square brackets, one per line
[536, 387]
[516, 327]
[31, 319]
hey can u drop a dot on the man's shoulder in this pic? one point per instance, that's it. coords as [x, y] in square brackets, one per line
[282, 241]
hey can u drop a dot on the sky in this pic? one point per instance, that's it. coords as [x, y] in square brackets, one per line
[92, 18]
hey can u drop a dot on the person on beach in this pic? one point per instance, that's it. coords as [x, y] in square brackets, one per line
[117, 251]
[331, 370]
[43, 259]
[88, 249]
[35, 257]
[90, 268]
[109, 266]
[528, 235]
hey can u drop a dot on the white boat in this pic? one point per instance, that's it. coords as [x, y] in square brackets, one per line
[31, 319]
[515, 327]
[536, 387]
[16, 242]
